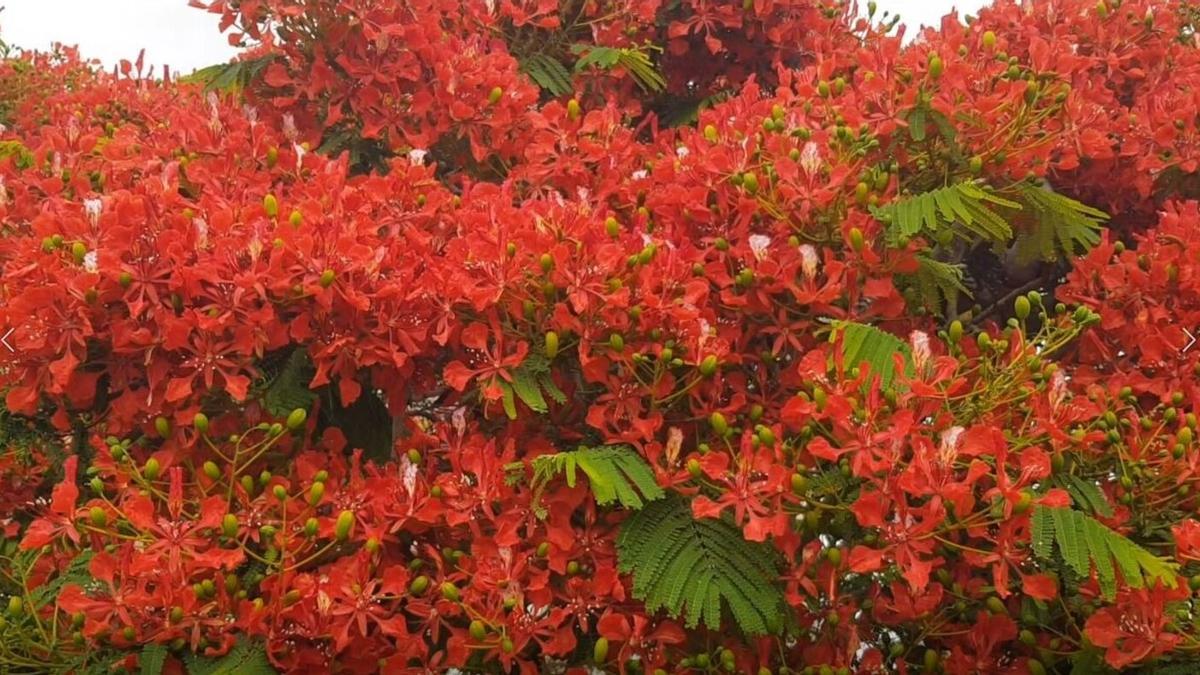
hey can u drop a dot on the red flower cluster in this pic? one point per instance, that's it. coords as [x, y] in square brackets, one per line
[323, 357]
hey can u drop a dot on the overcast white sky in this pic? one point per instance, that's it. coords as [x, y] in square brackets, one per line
[185, 38]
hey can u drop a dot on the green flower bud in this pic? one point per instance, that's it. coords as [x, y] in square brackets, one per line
[345, 522]
[296, 419]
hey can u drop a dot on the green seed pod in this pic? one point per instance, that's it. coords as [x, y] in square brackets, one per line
[600, 651]
[647, 254]
[345, 522]
[200, 421]
[766, 436]
[955, 331]
[478, 630]
[996, 606]
[327, 278]
[612, 226]
[936, 67]
[16, 607]
[710, 133]
[79, 251]
[719, 424]
[98, 516]
[152, 469]
[229, 526]
[551, 346]
[248, 484]
[419, 585]
[819, 398]
[271, 206]
[1022, 307]
[280, 492]
[495, 95]
[296, 419]
[372, 545]
[573, 109]
[834, 556]
[708, 366]
[316, 493]
[163, 426]
[856, 237]
[211, 470]
[450, 592]
[750, 182]
[310, 527]
[616, 342]
[799, 483]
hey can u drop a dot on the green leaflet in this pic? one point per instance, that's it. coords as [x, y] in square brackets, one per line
[1058, 226]
[531, 385]
[152, 659]
[229, 76]
[1087, 495]
[860, 342]
[939, 283]
[615, 473]
[548, 73]
[695, 569]
[1084, 542]
[246, 658]
[967, 208]
[76, 573]
[634, 60]
[1053, 225]
[288, 389]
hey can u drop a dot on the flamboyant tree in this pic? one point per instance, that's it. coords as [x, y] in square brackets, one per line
[607, 335]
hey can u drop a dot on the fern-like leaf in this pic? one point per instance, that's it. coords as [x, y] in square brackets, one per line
[1042, 533]
[76, 573]
[288, 389]
[231, 76]
[1058, 225]
[967, 208]
[615, 473]
[939, 283]
[694, 569]
[635, 61]
[548, 73]
[152, 659]
[245, 658]
[1087, 495]
[828, 483]
[531, 384]
[860, 342]
[1084, 542]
